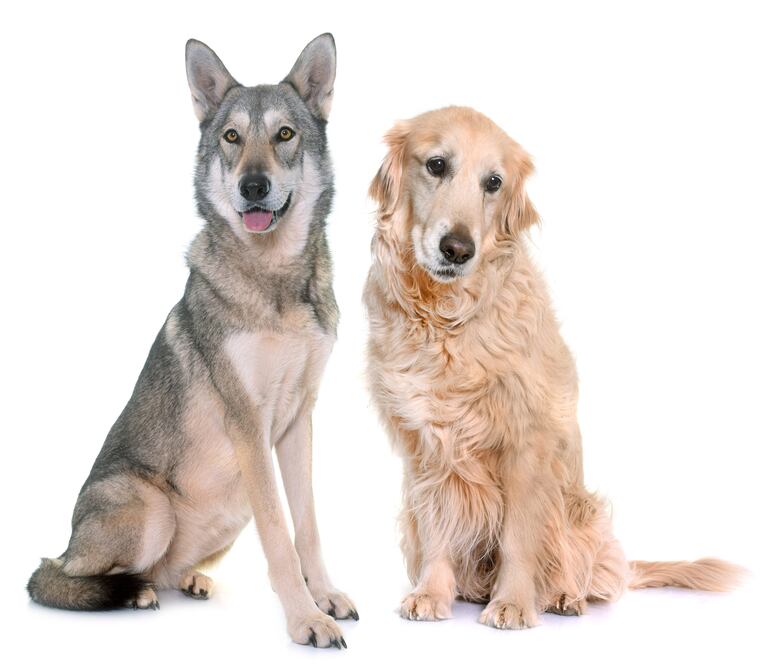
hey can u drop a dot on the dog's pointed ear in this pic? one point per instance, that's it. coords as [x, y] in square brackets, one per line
[519, 213]
[385, 188]
[208, 78]
[313, 75]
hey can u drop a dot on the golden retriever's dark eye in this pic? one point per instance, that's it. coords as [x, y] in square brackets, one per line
[285, 133]
[231, 136]
[436, 166]
[493, 183]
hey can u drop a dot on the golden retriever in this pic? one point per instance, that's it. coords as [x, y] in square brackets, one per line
[478, 390]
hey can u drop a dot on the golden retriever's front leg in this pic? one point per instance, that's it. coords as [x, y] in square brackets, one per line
[427, 556]
[295, 458]
[432, 598]
[513, 599]
[306, 623]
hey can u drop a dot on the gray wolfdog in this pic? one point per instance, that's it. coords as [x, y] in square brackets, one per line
[233, 372]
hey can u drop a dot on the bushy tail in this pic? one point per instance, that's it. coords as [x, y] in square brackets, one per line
[706, 574]
[50, 586]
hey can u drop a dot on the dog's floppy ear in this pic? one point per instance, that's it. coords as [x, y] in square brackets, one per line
[518, 213]
[208, 78]
[313, 75]
[385, 188]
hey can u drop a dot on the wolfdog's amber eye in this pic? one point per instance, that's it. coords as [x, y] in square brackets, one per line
[231, 136]
[436, 166]
[493, 183]
[285, 134]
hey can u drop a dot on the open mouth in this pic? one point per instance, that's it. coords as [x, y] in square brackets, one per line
[258, 219]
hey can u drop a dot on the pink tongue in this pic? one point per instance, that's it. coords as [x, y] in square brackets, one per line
[257, 221]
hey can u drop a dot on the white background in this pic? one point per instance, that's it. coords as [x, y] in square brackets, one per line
[648, 125]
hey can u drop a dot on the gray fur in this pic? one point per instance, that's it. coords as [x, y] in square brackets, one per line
[238, 282]
[208, 78]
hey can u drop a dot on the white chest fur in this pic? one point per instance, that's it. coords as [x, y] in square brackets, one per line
[280, 372]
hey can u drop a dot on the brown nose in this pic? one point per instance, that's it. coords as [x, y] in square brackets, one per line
[457, 247]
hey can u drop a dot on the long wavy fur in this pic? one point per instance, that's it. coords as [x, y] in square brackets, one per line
[466, 373]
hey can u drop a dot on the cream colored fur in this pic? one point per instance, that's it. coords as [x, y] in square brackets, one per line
[479, 392]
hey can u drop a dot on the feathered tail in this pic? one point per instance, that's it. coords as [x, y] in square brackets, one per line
[706, 574]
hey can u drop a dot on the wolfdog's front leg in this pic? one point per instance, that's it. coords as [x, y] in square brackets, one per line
[306, 623]
[295, 457]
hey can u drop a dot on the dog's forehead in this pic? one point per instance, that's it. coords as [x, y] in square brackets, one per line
[465, 144]
[263, 106]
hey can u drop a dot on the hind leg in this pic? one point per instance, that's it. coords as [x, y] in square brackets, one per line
[196, 585]
[592, 564]
[561, 606]
[610, 574]
[147, 598]
[121, 525]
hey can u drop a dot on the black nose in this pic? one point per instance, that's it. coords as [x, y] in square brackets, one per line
[457, 247]
[254, 187]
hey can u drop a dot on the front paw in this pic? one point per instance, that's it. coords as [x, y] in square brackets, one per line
[508, 615]
[337, 604]
[425, 606]
[318, 630]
